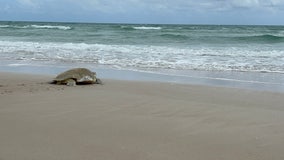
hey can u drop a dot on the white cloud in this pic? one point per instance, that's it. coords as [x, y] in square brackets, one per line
[113, 6]
[246, 3]
[146, 5]
[258, 4]
[32, 4]
[277, 3]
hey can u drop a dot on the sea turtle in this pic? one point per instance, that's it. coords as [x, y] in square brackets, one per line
[77, 76]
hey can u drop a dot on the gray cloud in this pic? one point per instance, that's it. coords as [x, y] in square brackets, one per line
[155, 5]
[154, 11]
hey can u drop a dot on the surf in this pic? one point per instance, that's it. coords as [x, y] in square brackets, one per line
[35, 26]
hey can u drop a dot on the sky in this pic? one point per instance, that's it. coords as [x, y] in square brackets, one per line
[241, 12]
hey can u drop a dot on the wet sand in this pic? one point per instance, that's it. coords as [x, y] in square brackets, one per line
[127, 120]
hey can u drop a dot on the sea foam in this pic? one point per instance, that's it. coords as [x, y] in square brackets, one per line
[148, 57]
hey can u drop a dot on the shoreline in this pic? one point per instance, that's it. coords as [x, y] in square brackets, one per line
[128, 120]
[10, 78]
[272, 82]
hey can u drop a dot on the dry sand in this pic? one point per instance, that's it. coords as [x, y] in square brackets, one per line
[123, 120]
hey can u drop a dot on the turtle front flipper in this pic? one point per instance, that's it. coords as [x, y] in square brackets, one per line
[70, 82]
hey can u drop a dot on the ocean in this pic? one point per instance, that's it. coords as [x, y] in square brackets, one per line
[204, 54]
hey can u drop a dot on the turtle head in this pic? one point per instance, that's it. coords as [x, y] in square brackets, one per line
[97, 80]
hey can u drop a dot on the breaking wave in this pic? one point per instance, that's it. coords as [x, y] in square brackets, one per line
[147, 28]
[36, 27]
[147, 57]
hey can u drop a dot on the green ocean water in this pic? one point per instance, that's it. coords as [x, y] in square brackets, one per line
[222, 54]
[144, 34]
[144, 46]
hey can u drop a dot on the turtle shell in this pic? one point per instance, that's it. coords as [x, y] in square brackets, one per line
[80, 75]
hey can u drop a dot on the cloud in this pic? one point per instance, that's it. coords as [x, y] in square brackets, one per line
[5, 8]
[113, 6]
[28, 3]
[178, 5]
[258, 4]
[153, 11]
[245, 3]
[165, 6]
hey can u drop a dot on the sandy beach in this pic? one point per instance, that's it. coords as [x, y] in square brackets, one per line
[130, 120]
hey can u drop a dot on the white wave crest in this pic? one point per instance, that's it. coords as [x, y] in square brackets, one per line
[148, 28]
[4, 26]
[50, 27]
[37, 27]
